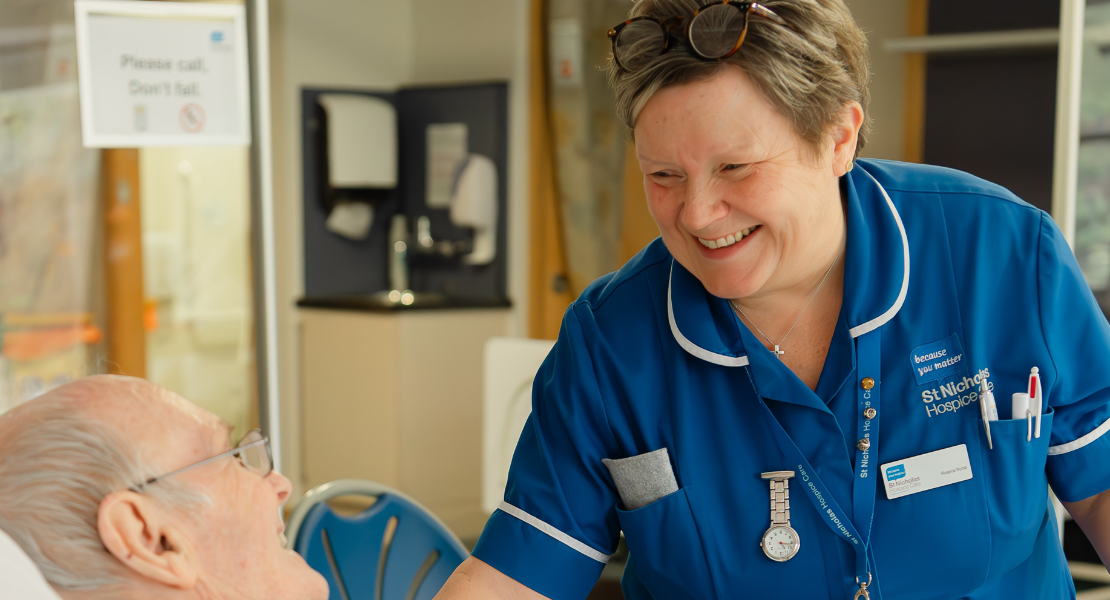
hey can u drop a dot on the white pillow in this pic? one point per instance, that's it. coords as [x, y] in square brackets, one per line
[20, 576]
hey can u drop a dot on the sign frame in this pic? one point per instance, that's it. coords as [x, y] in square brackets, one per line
[129, 8]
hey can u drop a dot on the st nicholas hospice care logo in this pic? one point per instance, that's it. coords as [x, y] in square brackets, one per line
[943, 360]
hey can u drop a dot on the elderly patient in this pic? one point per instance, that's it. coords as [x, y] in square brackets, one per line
[118, 488]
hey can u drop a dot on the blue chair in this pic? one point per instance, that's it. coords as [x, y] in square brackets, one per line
[393, 550]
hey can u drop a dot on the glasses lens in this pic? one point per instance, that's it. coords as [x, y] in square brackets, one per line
[638, 43]
[715, 30]
[255, 458]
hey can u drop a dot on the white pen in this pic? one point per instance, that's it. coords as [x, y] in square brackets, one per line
[1036, 401]
[992, 405]
[986, 401]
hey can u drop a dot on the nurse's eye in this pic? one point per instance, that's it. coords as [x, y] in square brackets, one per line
[664, 178]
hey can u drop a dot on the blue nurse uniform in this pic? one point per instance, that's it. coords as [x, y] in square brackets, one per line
[938, 263]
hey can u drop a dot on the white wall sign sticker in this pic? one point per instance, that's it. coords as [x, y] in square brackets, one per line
[566, 52]
[162, 74]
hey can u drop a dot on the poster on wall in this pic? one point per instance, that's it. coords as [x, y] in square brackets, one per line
[162, 74]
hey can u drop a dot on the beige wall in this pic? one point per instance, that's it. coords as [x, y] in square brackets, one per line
[464, 39]
[380, 44]
[884, 19]
[483, 40]
[355, 43]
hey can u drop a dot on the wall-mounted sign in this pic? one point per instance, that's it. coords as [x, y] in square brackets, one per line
[162, 74]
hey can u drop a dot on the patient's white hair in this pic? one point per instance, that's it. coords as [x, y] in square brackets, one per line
[56, 469]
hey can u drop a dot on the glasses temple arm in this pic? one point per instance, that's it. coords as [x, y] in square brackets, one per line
[231, 452]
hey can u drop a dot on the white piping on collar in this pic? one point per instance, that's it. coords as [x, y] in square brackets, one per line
[691, 347]
[881, 320]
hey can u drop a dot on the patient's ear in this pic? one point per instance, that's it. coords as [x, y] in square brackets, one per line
[145, 537]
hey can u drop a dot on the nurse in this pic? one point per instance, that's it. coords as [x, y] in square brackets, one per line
[779, 397]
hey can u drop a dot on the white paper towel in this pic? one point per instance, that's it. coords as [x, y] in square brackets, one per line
[351, 220]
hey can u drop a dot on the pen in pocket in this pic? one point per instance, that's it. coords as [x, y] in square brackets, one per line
[987, 407]
[1036, 400]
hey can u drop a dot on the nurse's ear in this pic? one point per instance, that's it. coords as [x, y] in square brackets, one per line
[845, 135]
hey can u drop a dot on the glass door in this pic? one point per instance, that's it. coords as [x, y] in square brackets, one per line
[197, 276]
[51, 318]
[1092, 191]
[131, 261]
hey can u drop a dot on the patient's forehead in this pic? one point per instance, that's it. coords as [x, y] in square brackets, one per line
[165, 425]
[168, 429]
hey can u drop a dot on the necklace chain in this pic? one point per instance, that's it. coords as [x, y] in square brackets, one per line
[799, 318]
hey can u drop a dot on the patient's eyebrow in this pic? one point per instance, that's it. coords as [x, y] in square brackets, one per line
[225, 437]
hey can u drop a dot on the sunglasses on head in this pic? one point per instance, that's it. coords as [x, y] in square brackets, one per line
[714, 32]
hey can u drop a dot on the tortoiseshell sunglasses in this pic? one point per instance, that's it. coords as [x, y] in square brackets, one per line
[715, 31]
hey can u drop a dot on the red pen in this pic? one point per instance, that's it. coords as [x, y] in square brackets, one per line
[1036, 401]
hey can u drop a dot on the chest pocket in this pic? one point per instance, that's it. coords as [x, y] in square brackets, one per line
[936, 543]
[670, 558]
[1016, 489]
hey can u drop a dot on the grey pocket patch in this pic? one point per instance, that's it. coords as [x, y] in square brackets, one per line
[642, 479]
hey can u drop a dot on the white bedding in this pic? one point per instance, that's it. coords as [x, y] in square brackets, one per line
[19, 576]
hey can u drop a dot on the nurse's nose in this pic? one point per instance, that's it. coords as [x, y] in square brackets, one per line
[702, 207]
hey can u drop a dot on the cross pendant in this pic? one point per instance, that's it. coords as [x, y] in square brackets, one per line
[778, 352]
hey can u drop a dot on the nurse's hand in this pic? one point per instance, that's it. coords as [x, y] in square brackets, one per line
[476, 580]
[1093, 516]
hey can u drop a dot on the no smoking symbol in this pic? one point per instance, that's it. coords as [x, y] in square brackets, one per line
[191, 118]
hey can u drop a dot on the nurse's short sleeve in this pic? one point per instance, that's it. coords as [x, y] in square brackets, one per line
[1078, 339]
[557, 526]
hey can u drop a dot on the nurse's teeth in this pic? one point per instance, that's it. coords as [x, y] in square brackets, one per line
[729, 240]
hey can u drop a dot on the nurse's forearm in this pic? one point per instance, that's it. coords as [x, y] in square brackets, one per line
[1093, 516]
[475, 580]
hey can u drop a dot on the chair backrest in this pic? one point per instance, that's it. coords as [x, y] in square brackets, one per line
[510, 368]
[393, 550]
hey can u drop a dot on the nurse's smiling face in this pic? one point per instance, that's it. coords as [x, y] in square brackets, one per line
[740, 199]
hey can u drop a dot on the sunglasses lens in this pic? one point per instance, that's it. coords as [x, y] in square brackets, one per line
[715, 30]
[638, 43]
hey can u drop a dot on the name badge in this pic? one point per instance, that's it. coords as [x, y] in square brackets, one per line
[926, 471]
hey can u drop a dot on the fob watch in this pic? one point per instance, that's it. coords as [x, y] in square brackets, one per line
[780, 543]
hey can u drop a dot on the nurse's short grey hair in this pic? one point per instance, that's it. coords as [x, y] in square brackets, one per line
[808, 71]
[53, 475]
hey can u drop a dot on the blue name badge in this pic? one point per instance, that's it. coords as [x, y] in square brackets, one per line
[938, 359]
[895, 473]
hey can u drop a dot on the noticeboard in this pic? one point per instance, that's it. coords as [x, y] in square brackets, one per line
[162, 74]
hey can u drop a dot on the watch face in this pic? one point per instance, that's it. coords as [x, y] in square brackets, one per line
[781, 543]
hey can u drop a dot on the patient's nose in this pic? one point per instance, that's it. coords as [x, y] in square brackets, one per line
[281, 484]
